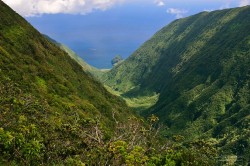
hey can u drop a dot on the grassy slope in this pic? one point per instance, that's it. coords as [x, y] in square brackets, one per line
[41, 67]
[44, 88]
[200, 67]
[154, 64]
[97, 73]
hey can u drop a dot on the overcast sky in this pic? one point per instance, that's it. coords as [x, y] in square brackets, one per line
[97, 30]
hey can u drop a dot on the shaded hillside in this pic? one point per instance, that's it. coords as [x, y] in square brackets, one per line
[156, 61]
[200, 67]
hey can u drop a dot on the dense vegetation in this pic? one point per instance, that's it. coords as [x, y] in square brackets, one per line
[96, 73]
[53, 113]
[199, 67]
[44, 94]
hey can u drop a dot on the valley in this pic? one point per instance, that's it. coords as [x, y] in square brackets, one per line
[199, 67]
[182, 98]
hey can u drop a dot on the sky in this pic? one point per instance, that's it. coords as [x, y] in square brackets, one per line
[98, 30]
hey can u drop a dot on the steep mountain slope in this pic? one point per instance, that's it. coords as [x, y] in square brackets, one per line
[200, 67]
[96, 73]
[53, 113]
[173, 46]
[41, 67]
[46, 98]
[86, 67]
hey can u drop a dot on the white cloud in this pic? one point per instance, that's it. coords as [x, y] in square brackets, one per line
[208, 10]
[159, 2]
[244, 3]
[38, 7]
[179, 13]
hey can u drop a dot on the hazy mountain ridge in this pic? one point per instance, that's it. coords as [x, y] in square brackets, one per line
[96, 73]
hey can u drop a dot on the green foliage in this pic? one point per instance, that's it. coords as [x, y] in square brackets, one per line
[199, 66]
[86, 67]
[54, 113]
[33, 134]
[44, 71]
[47, 102]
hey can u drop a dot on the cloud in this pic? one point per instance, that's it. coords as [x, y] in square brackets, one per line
[208, 10]
[177, 12]
[244, 3]
[38, 7]
[159, 2]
